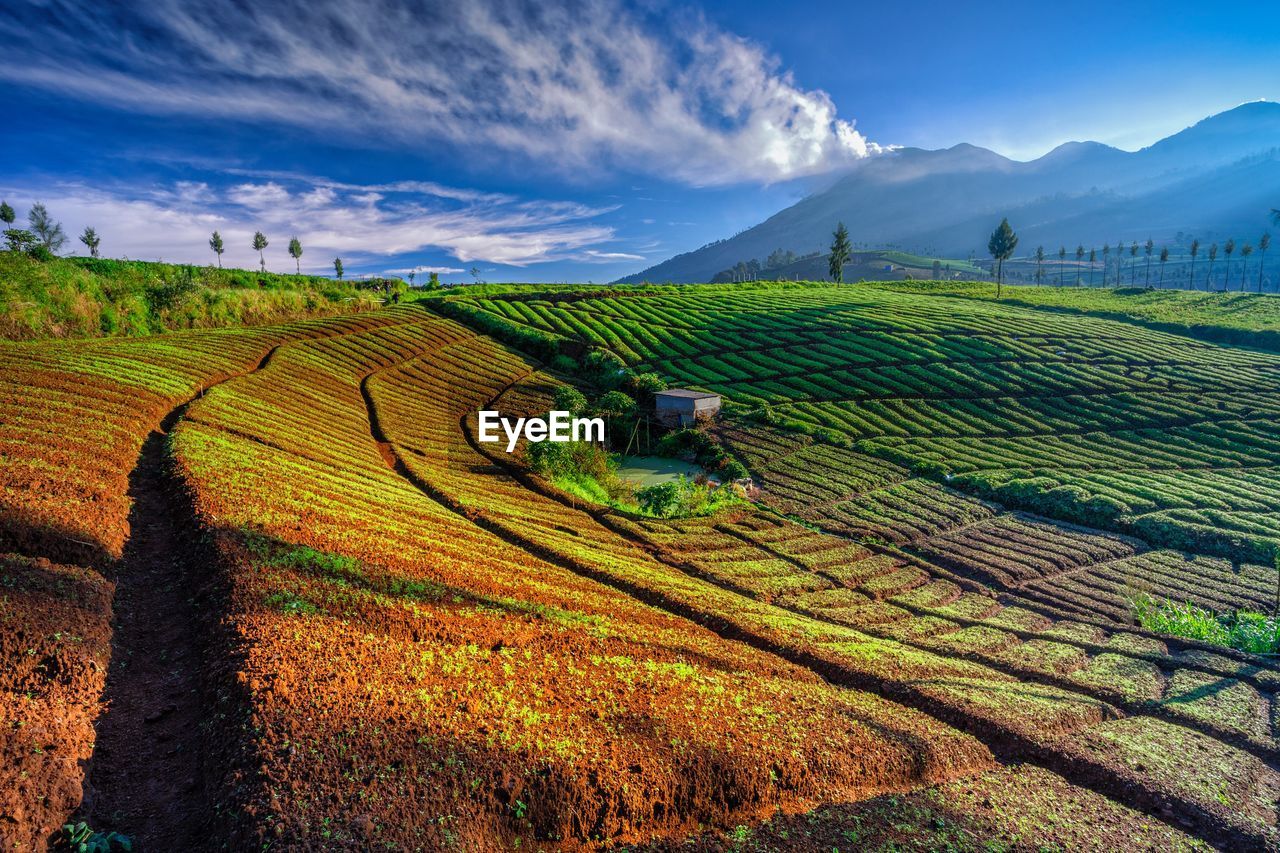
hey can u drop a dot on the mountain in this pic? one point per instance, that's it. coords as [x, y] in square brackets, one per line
[1216, 179]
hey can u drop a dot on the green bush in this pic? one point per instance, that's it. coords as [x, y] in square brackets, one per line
[1243, 630]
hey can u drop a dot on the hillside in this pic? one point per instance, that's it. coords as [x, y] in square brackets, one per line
[1215, 179]
[90, 297]
[276, 564]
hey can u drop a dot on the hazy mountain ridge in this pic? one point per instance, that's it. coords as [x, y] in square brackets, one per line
[1217, 178]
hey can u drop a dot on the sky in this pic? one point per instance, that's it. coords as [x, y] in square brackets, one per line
[557, 141]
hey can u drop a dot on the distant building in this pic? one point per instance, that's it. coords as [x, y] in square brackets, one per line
[680, 407]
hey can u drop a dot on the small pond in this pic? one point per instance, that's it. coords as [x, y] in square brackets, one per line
[653, 470]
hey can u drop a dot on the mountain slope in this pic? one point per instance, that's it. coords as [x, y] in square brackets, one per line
[1210, 179]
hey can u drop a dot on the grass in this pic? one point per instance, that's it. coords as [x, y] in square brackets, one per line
[92, 297]
[1243, 630]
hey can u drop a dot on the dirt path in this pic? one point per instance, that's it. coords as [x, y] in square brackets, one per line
[145, 777]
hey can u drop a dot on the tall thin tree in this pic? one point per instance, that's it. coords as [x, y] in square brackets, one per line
[1150, 247]
[7, 214]
[1106, 260]
[1001, 245]
[1213, 257]
[260, 243]
[295, 252]
[1039, 264]
[1245, 251]
[1062, 266]
[1093, 261]
[1079, 262]
[1227, 248]
[1195, 250]
[841, 251]
[215, 243]
[1164, 259]
[337, 267]
[1264, 243]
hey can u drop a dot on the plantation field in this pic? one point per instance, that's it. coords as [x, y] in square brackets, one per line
[379, 632]
[1084, 419]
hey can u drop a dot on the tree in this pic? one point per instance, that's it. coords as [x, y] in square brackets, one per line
[215, 243]
[412, 274]
[48, 232]
[1106, 255]
[1001, 245]
[337, 267]
[1164, 258]
[1079, 261]
[1039, 264]
[433, 281]
[260, 243]
[1227, 248]
[1263, 244]
[1150, 247]
[1195, 250]
[1093, 262]
[841, 251]
[475, 273]
[295, 252]
[91, 240]
[19, 239]
[7, 215]
[1245, 251]
[1213, 256]
[1062, 265]
[1133, 264]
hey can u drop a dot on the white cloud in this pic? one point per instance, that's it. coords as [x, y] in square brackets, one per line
[576, 85]
[174, 222]
[428, 270]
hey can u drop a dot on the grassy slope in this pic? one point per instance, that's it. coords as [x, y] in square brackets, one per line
[1235, 318]
[84, 297]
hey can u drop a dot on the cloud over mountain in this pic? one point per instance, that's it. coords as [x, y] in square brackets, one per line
[571, 86]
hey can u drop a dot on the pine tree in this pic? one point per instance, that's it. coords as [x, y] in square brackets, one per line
[1079, 261]
[1062, 266]
[337, 267]
[215, 243]
[48, 232]
[1150, 247]
[1039, 264]
[841, 251]
[1001, 245]
[1164, 258]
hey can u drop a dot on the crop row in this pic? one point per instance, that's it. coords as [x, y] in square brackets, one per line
[399, 641]
[742, 571]
[73, 416]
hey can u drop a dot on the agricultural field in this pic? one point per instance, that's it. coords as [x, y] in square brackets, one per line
[277, 565]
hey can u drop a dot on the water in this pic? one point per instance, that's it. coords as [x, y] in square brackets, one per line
[653, 470]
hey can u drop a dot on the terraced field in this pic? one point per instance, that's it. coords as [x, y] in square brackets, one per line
[1084, 419]
[386, 634]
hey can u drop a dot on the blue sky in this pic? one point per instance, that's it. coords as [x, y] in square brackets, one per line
[557, 141]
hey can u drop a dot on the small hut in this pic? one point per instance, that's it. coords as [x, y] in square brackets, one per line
[680, 407]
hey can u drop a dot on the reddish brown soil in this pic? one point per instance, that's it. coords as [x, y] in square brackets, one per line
[145, 777]
[54, 640]
[1020, 807]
